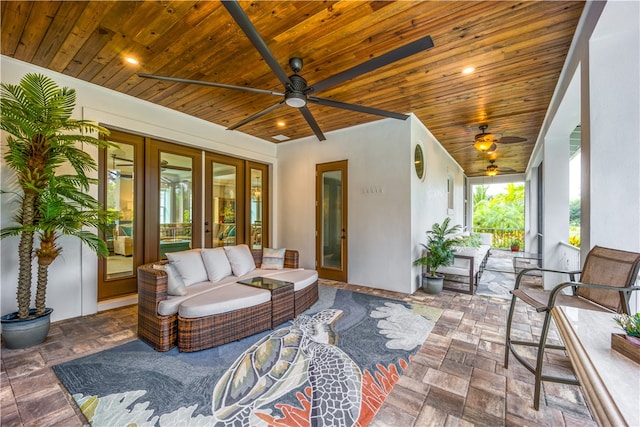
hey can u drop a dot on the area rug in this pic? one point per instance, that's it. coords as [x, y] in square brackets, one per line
[333, 365]
[498, 277]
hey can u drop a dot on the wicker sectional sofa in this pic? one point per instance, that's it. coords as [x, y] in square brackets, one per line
[217, 309]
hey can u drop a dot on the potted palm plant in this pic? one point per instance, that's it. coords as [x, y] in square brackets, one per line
[439, 252]
[42, 137]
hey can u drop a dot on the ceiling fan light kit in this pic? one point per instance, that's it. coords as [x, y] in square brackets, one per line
[484, 141]
[295, 99]
[492, 170]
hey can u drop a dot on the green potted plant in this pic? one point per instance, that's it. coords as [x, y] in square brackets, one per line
[515, 245]
[439, 253]
[42, 137]
[630, 324]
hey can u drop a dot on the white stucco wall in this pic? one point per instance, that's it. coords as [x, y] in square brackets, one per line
[73, 276]
[378, 222]
[429, 196]
[386, 226]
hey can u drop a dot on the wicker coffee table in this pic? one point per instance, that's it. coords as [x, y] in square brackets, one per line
[282, 298]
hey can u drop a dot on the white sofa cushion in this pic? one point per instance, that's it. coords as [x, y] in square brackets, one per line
[216, 263]
[175, 284]
[273, 259]
[300, 278]
[241, 259]
[170, 305]
[222, 300]
[189, 265]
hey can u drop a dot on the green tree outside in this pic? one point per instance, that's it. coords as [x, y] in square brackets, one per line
[501, 214]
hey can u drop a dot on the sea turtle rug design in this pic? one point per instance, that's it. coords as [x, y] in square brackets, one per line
[332, 366]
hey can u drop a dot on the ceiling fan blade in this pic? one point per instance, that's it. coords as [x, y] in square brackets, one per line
[380, 61]
[511, 139]
[255, 116]
[199, 82]
[312, 122]
[356, 107]
[176, 168]
[460, 149]
[243, 22]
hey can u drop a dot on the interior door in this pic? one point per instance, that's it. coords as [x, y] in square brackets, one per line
[331, 220]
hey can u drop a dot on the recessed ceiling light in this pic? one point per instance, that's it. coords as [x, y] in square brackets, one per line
[280, 123]
[131, 60]
[468, 70]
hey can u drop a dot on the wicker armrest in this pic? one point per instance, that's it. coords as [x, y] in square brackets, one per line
[152, 283]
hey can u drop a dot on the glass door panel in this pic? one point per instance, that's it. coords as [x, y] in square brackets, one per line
[257, 205]
[331, 219]
[120, 198]
[173, 199]
[224, 202]
[176, 203]
[120, 190]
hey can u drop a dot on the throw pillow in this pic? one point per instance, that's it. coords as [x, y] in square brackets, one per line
[216, 263]
[175, 285]
[273, 259]
[189, 265]
[241, 259]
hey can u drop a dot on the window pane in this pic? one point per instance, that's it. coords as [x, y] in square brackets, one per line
[332, 219]
[175, 203]
[256, 208]
[120, 201]
[224, 204]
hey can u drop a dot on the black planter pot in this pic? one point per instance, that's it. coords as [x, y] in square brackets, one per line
[23, 333]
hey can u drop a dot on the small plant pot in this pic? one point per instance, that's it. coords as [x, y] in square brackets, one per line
[432, 284]
[515, 248]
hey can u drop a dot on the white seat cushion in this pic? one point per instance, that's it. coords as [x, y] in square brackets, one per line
[170, 305]
[223, 300]
[300, 278]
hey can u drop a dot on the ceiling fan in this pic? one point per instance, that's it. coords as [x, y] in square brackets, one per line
[297, 93]
[486, 142]
[493, 170]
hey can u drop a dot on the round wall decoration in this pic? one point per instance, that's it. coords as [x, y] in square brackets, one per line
[418, 161]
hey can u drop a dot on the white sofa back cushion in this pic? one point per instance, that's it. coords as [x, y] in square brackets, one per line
[175, 284]
[189, 265]
[216, 263]
[241, 259]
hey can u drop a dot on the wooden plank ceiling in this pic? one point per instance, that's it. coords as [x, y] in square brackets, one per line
[517, 49]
